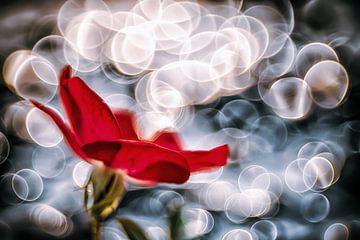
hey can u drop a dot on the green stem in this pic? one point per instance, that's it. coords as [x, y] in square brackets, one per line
[95, 229]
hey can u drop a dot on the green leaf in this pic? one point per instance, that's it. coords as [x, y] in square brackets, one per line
[108, 190]
[132, 230]
[176, 224]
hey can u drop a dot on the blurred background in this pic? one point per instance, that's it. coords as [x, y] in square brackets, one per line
[41, 181]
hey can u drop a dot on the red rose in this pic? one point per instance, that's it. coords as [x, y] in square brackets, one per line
[96, 132]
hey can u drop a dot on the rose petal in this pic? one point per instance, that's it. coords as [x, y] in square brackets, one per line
[126, 123]
[162, 172]
[168, 140]
[142, 160]
[200, 160]
[102, 151]
[90, 117]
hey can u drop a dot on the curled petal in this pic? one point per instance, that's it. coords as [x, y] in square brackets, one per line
[90, 118]
[168, 140]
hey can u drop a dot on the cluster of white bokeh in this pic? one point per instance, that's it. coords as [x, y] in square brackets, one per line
[178, 54]
[181, 53]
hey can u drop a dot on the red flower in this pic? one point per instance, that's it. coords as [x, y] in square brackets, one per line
[97, 132]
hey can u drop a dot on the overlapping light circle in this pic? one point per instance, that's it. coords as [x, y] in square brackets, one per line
[51, 220]
[27, 185]
[317, 167]
[81, 173]
[42, 130]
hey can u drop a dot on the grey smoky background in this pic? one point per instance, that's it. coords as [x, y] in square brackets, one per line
[295, 214]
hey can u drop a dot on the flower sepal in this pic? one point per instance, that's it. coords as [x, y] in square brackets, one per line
[102, 195]
[132, 230]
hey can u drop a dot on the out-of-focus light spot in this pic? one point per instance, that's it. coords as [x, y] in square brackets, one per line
[311, 54]
[265, 230]
[42, 129]
[311, 149]
[81, 173]
[48, 162]
[216, 194]
[329, 83]
[27, 185]
[290, 98]
[30, 76]
[238, 207]
[169, 198]
[239, 234]
[294, 176]
[197, 222]
[51, 220]
[248, 176]
[315, 207]
[318, 173]
[250, 203]
[268, 181]
[53, 49]
[14, 119]
[238, 114]
[337, 231]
